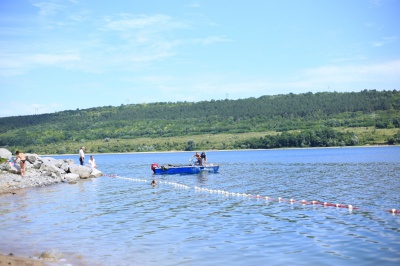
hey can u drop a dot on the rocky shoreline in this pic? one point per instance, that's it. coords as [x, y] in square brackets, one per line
[40, 171]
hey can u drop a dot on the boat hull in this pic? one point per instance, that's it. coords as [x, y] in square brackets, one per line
[189, 169]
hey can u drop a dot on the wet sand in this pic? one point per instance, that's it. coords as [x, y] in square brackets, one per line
[19, 261]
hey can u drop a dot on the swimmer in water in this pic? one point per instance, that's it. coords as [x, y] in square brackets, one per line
[154, 183]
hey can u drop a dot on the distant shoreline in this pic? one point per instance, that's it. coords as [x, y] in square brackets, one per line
[295, 148]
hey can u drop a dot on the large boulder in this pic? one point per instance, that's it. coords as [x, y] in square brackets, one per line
[70, 177]
[55, 162]
[31, 157]
[5, 154]
[50, 168]
[37, 164]
[95, 173]
[11, 168]
[82, 171]
[66, 163]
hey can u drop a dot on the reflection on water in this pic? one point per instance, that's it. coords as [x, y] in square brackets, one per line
[201, 220]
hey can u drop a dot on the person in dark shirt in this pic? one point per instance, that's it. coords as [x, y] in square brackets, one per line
[203, 157]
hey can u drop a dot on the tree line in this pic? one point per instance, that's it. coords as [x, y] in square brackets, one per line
[309, 112]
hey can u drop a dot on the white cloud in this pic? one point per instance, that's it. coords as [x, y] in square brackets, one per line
[386, 69]
[18, 64]
[51, 59]
[327, 78]
[376, 3]
[143, 38]
[47, 9]
[16, 108]
[125, 22]
[336, 78]
[211, 40]
[380, 76]
[384, 41]
[193, 5]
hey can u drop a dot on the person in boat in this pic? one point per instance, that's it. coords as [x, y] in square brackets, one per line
[92, 162]
[22, 161]
[204, 157]
[198, 157]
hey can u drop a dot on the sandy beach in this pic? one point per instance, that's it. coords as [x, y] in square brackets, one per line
[11, 260]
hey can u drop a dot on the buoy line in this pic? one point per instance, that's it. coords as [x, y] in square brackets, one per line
[227, 193]
[148, 181]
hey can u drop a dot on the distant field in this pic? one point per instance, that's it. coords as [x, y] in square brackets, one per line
[366, 135]
[372, 135]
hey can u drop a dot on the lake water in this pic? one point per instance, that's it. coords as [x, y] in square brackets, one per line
[206, 219]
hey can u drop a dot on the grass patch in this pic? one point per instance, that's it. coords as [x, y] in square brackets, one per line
[366, 136]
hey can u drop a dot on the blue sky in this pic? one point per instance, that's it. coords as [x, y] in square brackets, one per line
[58, 55]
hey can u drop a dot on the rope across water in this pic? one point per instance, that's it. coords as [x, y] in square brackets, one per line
[234, 194]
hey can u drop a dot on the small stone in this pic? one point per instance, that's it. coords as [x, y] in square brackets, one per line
[52, 254]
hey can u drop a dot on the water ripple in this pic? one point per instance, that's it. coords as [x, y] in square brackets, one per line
[210, 219]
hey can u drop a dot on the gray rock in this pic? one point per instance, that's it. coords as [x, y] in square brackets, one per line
[14, 169]
[37, 164]
[5, 166]
[64, 166]
[69, 161]
[5, 154]
[71, 177]
[51, 161]
[42, 171]
[50, 167]
[95, 173]
[82, 171]
[31, 157]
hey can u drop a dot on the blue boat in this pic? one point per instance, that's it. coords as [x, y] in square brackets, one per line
[192, 168]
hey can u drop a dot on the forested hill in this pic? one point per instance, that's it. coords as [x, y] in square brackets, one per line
[380, 109]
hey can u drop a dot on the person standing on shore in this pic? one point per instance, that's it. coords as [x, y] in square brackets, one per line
[22, 161]
[82, 155]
